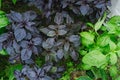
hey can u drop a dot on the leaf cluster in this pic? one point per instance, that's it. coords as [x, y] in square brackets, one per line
[91, 8]
[101, 46]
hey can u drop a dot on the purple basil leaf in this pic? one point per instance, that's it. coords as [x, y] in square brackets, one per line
[69, 20]
[26, 54]
[29, 26]
[47, 78]
[61, 26]
[31, 15]
[49, 43]
[14, 16]
[24, 44]
[52, 27]
[35, 50]
[61, 32]
[44, 30]
[75, 10]
[28, 36]
[16, 47]
[10, 50]
[58, 18]
[3, 37]
[60, 69]
[31, 74]
[74, 38]
[66, 46]
[20, 34]
[37, 41]
[1, 46]
[29, 61]
[60, 54]
[51, 33]
[84, 9]
[74, 55]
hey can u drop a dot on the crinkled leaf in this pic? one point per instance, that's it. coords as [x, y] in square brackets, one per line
[92, 59]
[20, 34]
[26, 54]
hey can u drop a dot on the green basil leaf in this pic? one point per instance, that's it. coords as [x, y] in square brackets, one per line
[99, 23]
[3, 52]
[94, 58]
[14, 1]
[113, 58]
[3, 19]
[112, 45]
[84, 78]
[103, 40]
[113, 71]
[87, 38]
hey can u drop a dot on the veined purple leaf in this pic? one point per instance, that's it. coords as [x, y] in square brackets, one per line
[26, 54]
[14, 16]
[24, 44]
[20, 34]
[37, 41]
[3, 37]
[16, 47]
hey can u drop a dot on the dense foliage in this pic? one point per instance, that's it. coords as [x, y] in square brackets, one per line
[101, 48]
[44, 43]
